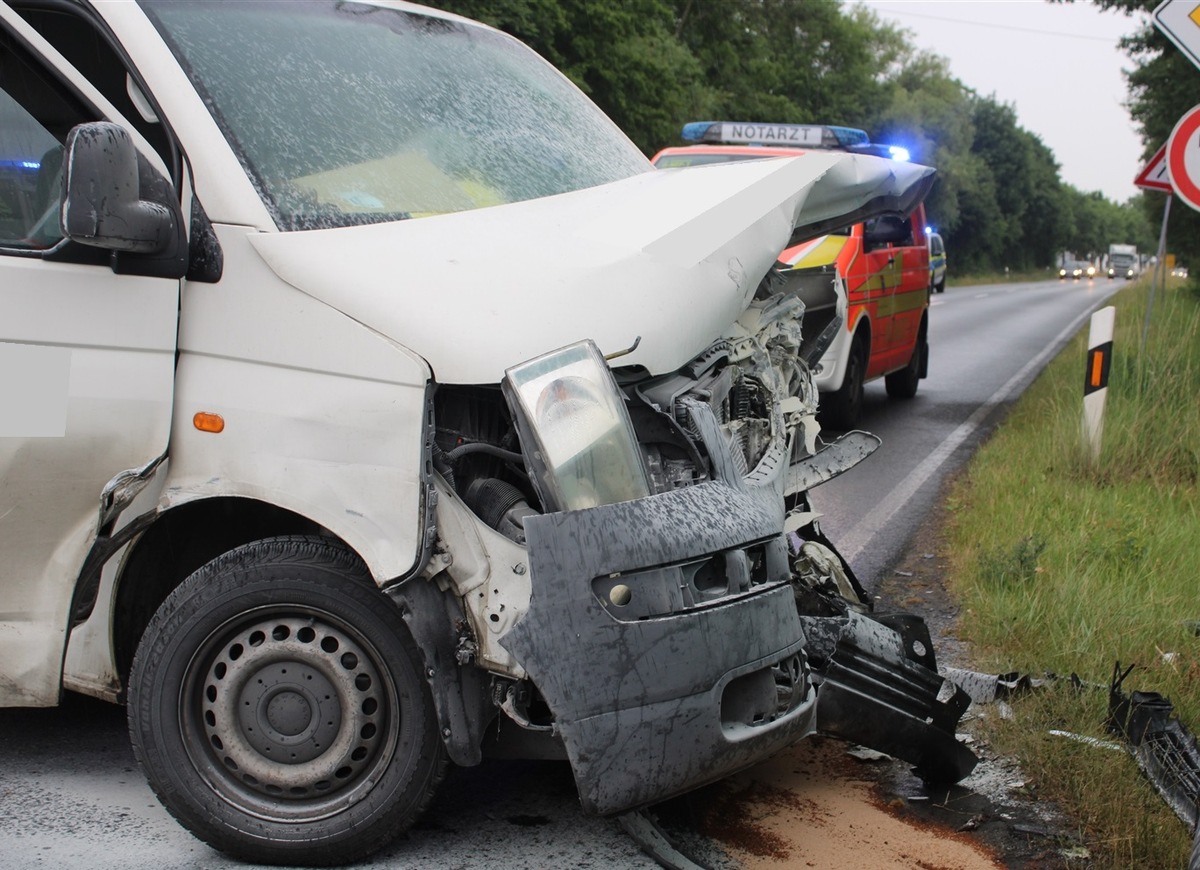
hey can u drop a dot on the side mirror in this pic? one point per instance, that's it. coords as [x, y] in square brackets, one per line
[887, 229]
[102, 206]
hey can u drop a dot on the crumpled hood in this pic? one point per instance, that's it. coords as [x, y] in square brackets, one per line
[670, 256]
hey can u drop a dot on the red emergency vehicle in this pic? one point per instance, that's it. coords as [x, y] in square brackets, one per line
[875, 274]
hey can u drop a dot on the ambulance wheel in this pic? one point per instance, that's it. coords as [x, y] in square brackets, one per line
[841, 410]
[278, 708]
[903, 384]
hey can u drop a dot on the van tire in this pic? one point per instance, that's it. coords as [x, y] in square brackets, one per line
[903, 384]
[278, 708]
[842, 409]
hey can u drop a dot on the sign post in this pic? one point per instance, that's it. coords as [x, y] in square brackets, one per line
[1156, 176]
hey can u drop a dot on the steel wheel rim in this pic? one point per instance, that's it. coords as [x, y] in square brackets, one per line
[289, 714]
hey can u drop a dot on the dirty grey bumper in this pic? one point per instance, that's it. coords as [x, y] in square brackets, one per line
[699, 673]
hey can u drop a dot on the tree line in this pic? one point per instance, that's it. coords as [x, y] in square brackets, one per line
[654, 65]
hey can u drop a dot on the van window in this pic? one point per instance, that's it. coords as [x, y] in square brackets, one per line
[343, 113]
[89, 51]
[35, 117]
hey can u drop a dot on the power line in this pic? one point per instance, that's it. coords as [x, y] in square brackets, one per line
[1054, 33]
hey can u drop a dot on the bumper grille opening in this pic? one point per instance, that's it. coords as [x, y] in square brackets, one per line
[762, 696]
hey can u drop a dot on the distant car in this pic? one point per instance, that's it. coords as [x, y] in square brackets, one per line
[1179, 272]
[1076, 270]
[937, 263]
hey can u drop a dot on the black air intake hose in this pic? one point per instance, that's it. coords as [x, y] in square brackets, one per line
[491, 499]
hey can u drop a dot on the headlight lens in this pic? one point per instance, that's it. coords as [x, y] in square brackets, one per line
[568, 405]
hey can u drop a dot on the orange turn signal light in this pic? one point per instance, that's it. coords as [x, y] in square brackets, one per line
[207, 422]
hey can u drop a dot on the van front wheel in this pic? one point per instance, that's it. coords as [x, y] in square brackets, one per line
[842, 409]
[277, 706]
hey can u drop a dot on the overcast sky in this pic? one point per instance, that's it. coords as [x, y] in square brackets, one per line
[1057, 64]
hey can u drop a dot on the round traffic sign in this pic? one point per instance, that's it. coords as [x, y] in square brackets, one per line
[1183, 157]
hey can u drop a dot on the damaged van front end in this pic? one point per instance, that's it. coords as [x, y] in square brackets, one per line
[702, 622]
[680, 615]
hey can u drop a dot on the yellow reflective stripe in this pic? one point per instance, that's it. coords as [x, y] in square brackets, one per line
[821, 251]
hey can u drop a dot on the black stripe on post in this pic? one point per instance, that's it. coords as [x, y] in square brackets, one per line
[1098, 362]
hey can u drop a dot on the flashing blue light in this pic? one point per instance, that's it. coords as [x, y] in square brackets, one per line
[21, 164]
[847, 136]
[899, 153]
[694, 132]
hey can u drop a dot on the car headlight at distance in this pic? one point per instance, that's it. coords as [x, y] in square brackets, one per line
[575, 430]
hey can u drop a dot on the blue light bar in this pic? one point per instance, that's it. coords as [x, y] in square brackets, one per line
[694, 132]
[847, 136]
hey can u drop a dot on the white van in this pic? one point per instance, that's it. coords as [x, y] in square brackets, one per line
[369, 401]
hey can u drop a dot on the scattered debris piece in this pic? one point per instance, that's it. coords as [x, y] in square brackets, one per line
[1035, 830]
[986, 688]
[654, 842]
[904, 573]
[971, 823]
[862, 753]
[1090, 741]
[1165, 752]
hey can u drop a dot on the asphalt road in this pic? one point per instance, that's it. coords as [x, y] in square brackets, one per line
[72, 796]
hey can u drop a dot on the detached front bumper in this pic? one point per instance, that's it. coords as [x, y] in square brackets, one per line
[664, 637]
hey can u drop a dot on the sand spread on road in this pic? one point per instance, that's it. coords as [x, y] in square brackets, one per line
[812, 807]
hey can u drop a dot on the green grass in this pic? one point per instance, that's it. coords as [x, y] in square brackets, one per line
[1064, 565]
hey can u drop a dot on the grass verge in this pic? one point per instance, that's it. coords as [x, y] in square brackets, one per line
[1067, 566]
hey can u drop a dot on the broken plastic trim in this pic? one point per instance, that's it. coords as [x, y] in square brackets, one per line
[879, 687]
[1164, 750]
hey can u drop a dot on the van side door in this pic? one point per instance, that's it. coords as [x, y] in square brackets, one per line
[912, 293]
[882, 274]
[87, 358]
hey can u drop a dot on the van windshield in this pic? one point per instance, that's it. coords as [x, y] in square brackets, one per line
[347, 113]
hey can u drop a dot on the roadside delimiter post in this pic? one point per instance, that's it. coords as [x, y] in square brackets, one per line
[1095, 383]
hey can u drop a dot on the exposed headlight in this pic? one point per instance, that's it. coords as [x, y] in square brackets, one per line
[568, 408]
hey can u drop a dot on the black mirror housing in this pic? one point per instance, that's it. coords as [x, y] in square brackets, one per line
[102, 204]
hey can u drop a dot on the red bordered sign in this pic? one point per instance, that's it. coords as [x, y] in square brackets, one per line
[1183, 157]
[1155, 175]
